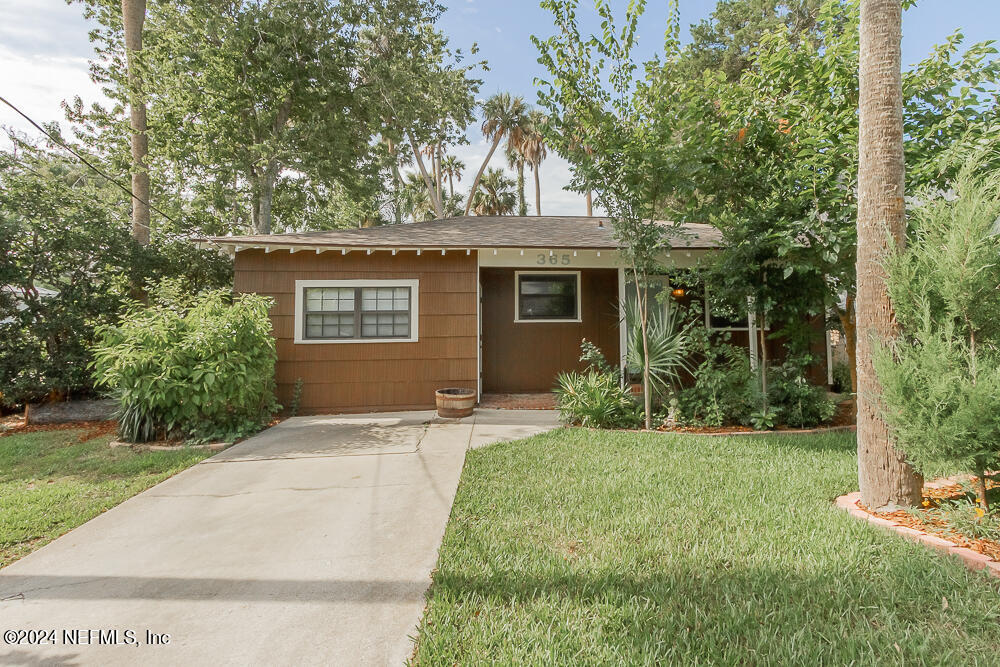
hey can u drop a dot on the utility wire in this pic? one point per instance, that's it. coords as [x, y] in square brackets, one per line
[84, 160]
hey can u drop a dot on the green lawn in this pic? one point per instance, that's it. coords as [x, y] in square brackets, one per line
[616, 548]
[50, 483]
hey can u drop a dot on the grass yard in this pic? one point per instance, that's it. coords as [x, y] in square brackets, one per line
[580, 546]
[50, 482]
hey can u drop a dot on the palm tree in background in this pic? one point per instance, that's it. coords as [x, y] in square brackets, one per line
[496, 195]
[502, 115]
[516, 161]
[452, 167]
[415, 200]
[534, 151]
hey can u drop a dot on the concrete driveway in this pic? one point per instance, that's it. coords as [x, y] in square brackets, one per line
[310, 543]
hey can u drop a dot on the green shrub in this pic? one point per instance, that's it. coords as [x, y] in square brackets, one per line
[722, 390]
[200, 368]
[69, 266]
[596, 400]
[796, 402]
[842, 378]
[591, 355]
[941, 380]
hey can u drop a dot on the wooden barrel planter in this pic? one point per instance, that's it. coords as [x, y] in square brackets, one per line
[455, 402]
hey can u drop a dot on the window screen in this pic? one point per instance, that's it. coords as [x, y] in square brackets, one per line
[356, 312]
[545, 296]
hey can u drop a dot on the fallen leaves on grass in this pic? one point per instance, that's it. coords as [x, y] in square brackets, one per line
[14, 425]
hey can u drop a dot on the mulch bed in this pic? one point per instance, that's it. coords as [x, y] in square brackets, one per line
[14, 425]
[927, 522]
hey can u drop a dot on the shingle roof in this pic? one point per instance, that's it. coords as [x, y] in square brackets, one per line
[487, 231]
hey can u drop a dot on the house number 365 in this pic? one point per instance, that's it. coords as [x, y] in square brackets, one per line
[554, 260]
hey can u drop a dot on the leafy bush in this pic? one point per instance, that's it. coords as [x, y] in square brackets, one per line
[591, 355]
[722, 389]
[596, 399]
[796, 402]
[842, 378]
[200, 368]
[69, 266]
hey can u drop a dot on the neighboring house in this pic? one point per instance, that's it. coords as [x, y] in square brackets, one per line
[378, 318]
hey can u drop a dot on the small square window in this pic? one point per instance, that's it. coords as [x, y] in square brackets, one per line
[548, 296]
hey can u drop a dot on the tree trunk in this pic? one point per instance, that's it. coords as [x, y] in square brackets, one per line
[451, 184]
[479, 174]
[590, 204]
[438, 180]
[850, 339]
[397, 190]
[885, 478]
[133, 18]
[538, 191]
[522, 205]
[435, 202]
[265, 198]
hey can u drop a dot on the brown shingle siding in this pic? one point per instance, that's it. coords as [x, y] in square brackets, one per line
[357, 377]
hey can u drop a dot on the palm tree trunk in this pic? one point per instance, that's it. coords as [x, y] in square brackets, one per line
[538, 192]
[590, 204]
[133, 18]
[479, 174]
[451, 184]
[522, 206]
[885, 478]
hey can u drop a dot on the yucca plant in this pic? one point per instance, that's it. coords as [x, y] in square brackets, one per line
[669, 346]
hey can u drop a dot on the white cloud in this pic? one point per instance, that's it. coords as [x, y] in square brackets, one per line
[45, 49]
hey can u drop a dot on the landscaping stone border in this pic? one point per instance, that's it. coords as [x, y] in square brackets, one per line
[971, 559]
[164, 447]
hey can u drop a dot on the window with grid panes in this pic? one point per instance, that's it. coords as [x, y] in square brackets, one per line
[340, 313]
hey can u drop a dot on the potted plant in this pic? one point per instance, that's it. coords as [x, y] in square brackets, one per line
[455, 402]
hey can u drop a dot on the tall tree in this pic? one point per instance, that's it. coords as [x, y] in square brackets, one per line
[502, 115]
[885, 477]
[727, 41]
[516, 161]
[133, 18]
[601, 98]
[534, 150]
[452, 167]
[426, 95]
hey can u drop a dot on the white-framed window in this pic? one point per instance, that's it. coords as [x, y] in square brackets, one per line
[356, 311]
[547, 296]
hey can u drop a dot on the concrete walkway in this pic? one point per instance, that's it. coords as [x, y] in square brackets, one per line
[310, 543]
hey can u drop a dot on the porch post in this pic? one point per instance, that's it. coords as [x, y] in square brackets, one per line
[622, 325]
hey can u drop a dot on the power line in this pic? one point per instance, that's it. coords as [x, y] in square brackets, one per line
[84, 160]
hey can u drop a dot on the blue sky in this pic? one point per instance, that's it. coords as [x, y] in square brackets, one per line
[44, 51]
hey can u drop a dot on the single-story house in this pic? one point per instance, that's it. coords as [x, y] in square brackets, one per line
[379, 318]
